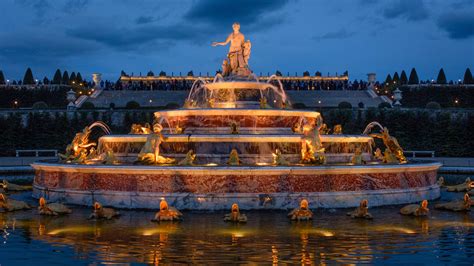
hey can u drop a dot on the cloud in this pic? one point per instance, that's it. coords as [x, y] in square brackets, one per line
[74, 6]
[457, 25]
[132, 38]
[144, 19]
[411, 10]
[224, 13]
[334, 35]
[39, 7]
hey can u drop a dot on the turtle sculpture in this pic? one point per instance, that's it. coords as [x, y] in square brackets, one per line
[303, 213]
[463, 187]
[54, 209]
[235, 216]
[167, 213]
[362, 211]
[12, 205]
[415, 209]
[7, 186]
[103, 213]
[457, 205]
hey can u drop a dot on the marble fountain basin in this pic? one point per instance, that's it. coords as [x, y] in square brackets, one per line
[252, 187]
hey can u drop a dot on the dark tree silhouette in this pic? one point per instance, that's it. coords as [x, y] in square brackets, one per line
[150, 74]
[72, 78]
[403, 78]
[441, 77]
[413, 77]
[396, 78]
[65, 79]
[2, 78]
[57, 77]
[388, 79]
[468, 77]
[28, 79]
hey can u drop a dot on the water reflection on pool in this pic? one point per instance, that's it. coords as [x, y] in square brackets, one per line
[268, 237]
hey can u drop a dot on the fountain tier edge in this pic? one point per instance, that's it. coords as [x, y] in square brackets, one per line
[259, 155]
[214, 188]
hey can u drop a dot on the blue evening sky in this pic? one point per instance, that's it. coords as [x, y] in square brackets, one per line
[360, 36]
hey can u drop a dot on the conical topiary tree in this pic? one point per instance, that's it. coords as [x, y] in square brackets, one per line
[28, 79]
[278, 73]
[2, 78]
[413, 77]
[403, 78]
[396, 78]
[65, 79]
[388, 79]
[441, 77]
[468, 77]
[57, 77]
[72, 78]
[79, 77]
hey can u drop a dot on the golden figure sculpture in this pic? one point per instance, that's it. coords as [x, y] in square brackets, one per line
[188, 160]
[211, 102]
[78, 150]
[416, 210]
[378, 154]
[103, 213]
[150, 153]
[362, 211]
[337, 130]
[53, 209]
[7, 186]
[139, 129]
[392, 144]
[389, 157]
[12, 205]
[235, 215]
[463, 187]
[189, 104]
[225, 68]
[324, 130]
[167, 213]
[179, 130]
[234, 159]
[239, 51]
[457, 205]
[234, 128]
[303, 213]
[263, 103]
[311, 142]
[279, 159]
[357, 158]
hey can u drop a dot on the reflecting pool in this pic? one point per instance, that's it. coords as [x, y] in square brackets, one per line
[268, 237]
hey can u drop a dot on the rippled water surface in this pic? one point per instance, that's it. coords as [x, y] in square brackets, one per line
[268, 237]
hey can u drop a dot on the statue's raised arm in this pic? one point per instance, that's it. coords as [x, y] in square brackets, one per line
[229, 38]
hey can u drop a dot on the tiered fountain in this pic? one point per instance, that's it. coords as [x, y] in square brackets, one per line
[235, 140]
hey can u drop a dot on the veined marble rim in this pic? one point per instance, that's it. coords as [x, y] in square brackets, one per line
[237, 170]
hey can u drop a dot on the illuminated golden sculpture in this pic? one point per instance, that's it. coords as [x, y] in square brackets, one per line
[303, 213]
[392, 144]
[234, 128]
[12, 205]
[466, 186]
[362, 211]
[357, 158]
[235, 215]
[189, 104]
[279, 159]
[189, 159]
[311, 143]
[179, 130]
[54, 209]
[378, 154]
[139, 129]
[103, 213]
[239, 52]
[324, 130]
[337, 130]
[79, 149]
[150, 153]
[416, 210]
[211, 102]
[458, 205]
[234, 159]
[7, 186]
[389, 157]
[263, 103]
[167, 213]
[109, 157]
